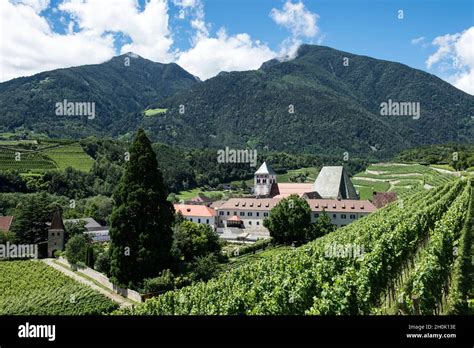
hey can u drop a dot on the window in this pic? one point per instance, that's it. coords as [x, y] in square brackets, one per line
[199, 220]
[265, 214]
[235, 213]
[258, 223]
[249, 214]
[207, 221]
[222, 213]
[258, 181]
[258, 214]
[191, 219]
[228, 213]
[352, 216]
[316, 215]
[250, 222]
[343, 216]
[242, 213]
[334, 216]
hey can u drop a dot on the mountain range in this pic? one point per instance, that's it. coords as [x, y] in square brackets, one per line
[323, 101]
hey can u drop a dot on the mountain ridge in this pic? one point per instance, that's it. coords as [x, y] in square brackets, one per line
[335, 101]
[118, 88]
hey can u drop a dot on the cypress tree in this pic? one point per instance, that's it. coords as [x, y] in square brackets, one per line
[141, 220]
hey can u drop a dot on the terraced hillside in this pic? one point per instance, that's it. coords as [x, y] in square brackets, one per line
[393, 241]
[404, 179]
[16, 156]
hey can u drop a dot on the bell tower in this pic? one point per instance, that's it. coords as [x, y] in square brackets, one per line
[56, 234]
[265, 177]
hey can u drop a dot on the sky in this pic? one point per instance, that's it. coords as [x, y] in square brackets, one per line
[209, 36]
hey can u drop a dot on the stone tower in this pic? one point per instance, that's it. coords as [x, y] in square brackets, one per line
[265, 177]
[56, 234]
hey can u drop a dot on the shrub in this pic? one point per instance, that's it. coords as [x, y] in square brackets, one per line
[164, 282]
[205, 267]
[76, 248]
[191, 240]
[102, 264]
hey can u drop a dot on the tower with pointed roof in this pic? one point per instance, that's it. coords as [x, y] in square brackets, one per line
[265, 177]
[56, 234]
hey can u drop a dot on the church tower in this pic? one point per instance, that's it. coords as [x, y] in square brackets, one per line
[56, 234]
[265, 177]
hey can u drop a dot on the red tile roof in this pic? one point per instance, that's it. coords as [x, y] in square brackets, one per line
[332, 205]
[341, 206]
[234, 218]
[194, 210]
[5, 223]
[287, 189]
[249, 204]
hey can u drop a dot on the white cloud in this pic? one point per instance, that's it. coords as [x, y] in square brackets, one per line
[417, 40]
[148, 29]
[185, 3]
[30, 46]
[211, 55]
[456, 51]
[296, 18]
[36, 5]
[299, 21]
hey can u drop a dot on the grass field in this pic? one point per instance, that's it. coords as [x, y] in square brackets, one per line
[17, 142]
[187, 195]
[154, 112]
[311, 174]
[367, 188]
[34, 288]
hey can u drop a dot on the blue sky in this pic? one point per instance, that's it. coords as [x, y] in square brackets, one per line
[241, 34]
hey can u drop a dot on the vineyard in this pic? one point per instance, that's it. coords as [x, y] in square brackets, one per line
[44, 158]
[25, 161]
[70, 156]
[33, 288]
[415, 255]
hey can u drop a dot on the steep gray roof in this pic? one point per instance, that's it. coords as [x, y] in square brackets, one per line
[333, 183]
[265, 169]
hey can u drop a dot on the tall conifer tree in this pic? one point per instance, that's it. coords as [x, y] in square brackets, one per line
[141, 220]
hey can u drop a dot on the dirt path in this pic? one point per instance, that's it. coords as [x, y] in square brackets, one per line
[123, 302]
